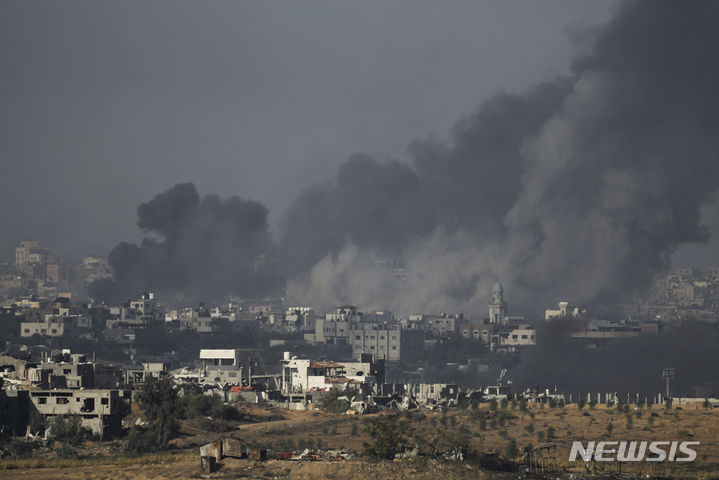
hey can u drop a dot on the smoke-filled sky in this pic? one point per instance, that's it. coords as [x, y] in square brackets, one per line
[568, 149]
[105, 104]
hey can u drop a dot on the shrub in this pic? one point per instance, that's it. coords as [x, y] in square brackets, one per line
[388, 433]
[334, 404]
[17, 448]
[511, 450]
[68, 429]
[140, 441]
[37, 422]
[66, 451]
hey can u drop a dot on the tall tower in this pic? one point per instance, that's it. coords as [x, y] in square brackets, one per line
[497, 307]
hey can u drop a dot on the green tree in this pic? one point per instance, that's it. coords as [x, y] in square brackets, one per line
[389, 433]
[332, 401]
[159, 401]
[511, 450]
[67, 429]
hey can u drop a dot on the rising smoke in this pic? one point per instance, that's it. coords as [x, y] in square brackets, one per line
[579, 188]
[196, 248]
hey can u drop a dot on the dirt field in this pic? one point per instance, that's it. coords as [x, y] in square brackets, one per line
[488, 431]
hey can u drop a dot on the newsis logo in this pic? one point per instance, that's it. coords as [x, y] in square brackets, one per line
[634, 451]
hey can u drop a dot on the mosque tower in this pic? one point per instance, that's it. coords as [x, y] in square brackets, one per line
[497, 307]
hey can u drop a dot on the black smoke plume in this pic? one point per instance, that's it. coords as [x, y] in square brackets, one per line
[578, 189]
[196, 248]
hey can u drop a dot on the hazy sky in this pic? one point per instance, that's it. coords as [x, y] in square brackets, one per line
[105, 104]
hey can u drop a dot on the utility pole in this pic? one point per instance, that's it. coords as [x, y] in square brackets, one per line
[668, 375]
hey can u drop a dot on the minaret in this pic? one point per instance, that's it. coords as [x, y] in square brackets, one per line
[497, 307]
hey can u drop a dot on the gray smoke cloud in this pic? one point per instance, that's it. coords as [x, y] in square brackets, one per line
[196, 248]
[626, 365]
[579, 188]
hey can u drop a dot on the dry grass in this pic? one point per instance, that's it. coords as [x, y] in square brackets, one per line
[149, 459]
[333, 431]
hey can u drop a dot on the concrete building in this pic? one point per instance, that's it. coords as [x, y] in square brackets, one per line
[330, 331]
[478, 329]
[156, 370]
[13, 410]
[62, 375]
[442, 325]
[382, 342]
[565, 310]
[145, 306]
[100, 411]
[519, 336]
[51, 326]
[221, 366]
[301, 376]
[22, 252]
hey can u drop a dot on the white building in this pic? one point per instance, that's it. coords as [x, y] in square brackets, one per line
[565, 310]
[300, 375]
[221, 366]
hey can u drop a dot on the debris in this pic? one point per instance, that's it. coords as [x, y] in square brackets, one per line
[258, 454]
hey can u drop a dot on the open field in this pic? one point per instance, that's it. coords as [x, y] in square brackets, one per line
[489, 431]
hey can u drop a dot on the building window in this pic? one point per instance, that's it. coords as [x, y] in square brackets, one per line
[42, 400]
[105, 401]
[357, 337]
[394, 337]
[62, 401]
[394, 347]
[524, 337]
[381, 337]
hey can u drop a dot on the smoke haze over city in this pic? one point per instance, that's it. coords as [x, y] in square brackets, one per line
[580, 183]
